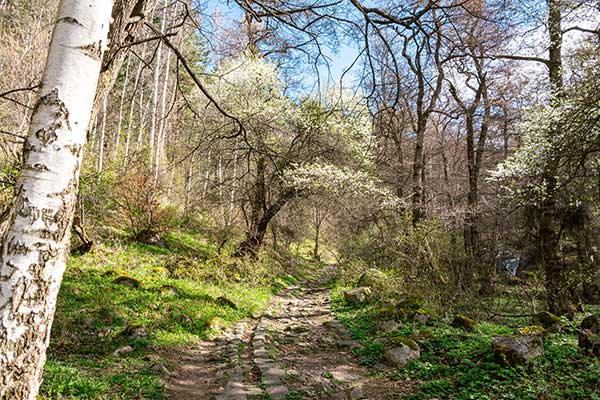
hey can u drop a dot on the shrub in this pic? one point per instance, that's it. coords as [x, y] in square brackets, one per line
[138, 204]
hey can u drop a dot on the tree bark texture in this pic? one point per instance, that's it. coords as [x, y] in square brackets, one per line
[35, 244]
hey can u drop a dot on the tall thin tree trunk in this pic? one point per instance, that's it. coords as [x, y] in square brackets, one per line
[160, 142]
[120, 121]
[102, 137]
[142, 117]
[155, 91]
[207, 174]
[36, 242]
[138, 75]
[188, 184]
[557, 281]
[233, 189]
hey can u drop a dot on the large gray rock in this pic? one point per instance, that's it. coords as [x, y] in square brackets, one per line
[358, 295]
[515, 350]
[589, 340]
[402, 352]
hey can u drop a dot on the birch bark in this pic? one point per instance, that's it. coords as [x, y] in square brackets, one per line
[35, 244]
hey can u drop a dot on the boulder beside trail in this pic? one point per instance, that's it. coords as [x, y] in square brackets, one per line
[589, 337]
[516, 350]
[225, 302]
[401, 351]
[127, 281]
[358, 295]
[548, 320]
[463, 322]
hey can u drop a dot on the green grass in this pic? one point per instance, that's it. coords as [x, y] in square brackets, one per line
[459, 365]
[93, 314]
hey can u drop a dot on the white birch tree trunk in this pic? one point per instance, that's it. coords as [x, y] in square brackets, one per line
[36, 242]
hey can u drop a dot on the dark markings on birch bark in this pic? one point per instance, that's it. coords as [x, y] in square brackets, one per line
[17, 247]
[93, 50]
[58, 109]
[46, 136]
[75, 149]
[70, 20]
[38, 167]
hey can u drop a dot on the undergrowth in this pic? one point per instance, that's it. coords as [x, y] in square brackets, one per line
[456, 364]
[171, 298]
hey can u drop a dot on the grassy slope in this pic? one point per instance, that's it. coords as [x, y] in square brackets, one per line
[459, 365]
[93, 313]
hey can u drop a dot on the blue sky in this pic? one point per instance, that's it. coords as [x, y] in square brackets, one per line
[339, 59]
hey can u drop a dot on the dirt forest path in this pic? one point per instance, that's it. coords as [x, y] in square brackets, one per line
[295, 350]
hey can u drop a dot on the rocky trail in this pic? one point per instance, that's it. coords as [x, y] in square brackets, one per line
[295, 350]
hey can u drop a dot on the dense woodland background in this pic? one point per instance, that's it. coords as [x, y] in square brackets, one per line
[456, 162]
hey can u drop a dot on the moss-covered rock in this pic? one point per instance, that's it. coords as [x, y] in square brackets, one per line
[168, 290]
[589, 337]
[463, 322]
[215, 323]
[225, 302]
[548, 320]
[127, 281]
[397, 340]
[401, 350]
[358, 295]
[422, 335]
[517, 350]
[532, 330]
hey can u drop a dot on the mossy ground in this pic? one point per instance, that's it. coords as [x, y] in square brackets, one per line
[456, 364]
[93, 313]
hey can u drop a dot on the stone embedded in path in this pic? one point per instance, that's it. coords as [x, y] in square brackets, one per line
[343, 374]
[278, 392]
[356, 393]
[273, 376]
